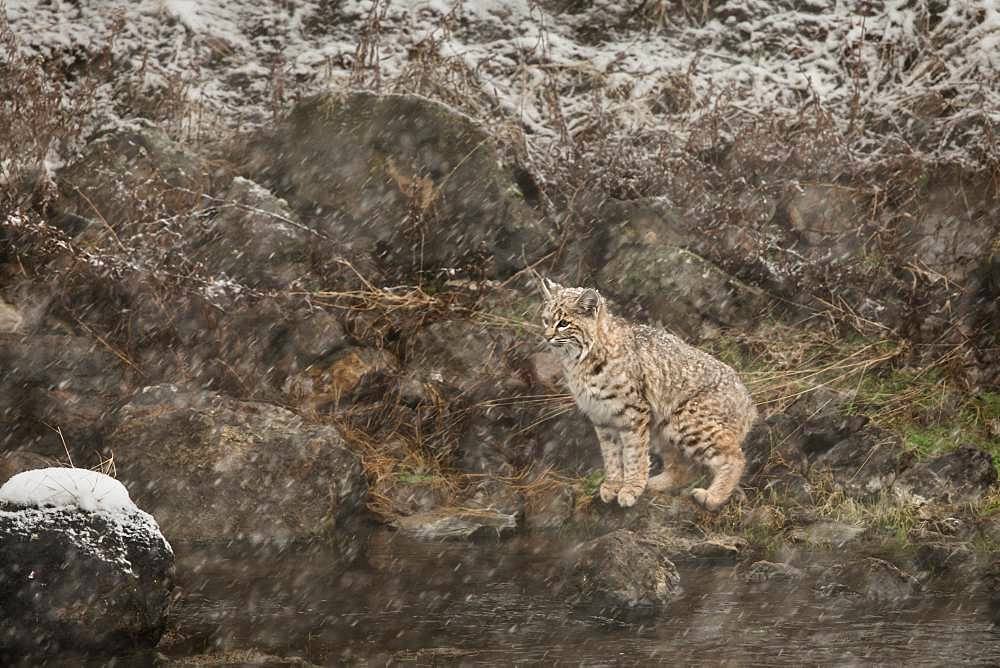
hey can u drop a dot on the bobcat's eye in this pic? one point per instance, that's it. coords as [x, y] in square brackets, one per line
[562, 324]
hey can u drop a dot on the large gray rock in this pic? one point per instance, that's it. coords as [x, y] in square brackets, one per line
[255, 239]
[131, 175]
[863, 464]
[868, 580]
[214, 468]
[681, 290]
[621, 574]
[457, 524]
[828, 218]
[404, 178]
[244, 347]
[475, 360]
[96, 580]
[954, 224]
[55, 392]
[963, 475]
[819, 440]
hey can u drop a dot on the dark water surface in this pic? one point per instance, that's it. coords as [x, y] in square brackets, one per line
[492, 603]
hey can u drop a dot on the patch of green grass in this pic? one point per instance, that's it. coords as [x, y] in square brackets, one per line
[927, 407]
[930, 413]
[592, 482]
[411, 477]
[927, 441]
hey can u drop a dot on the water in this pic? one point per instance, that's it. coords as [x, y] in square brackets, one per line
[491, 603]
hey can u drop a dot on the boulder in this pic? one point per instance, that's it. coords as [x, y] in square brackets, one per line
[867, 580]
[214, 468]
[477, 362]
[680, 290]
[863, 464]
[828, 219]
[827, 534]
[457, 524]
[247, 347]
[767, 571]
[621, 574]
[549, 507]
[51, 382]
[255, 239]
[133, 171]
[953, 225]
[963, 475]
[814, 438]
[940, 557]
[990, 584]
[81, 567]
[403, 178]
[566, 441]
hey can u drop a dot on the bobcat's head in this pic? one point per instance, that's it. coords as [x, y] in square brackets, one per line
[572, 318]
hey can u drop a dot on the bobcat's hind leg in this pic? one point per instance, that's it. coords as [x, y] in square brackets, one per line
[727, 480]
[707, 438]
[666, 452]
[726, 462]
[661, 482]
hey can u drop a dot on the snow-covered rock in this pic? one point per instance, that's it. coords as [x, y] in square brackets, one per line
[56, 487]
[81, 567]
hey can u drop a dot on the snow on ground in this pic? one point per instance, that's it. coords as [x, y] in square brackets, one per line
[924, 72]
[59, 487]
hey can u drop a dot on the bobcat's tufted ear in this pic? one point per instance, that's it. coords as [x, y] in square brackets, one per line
[589, 301]
[548, 287]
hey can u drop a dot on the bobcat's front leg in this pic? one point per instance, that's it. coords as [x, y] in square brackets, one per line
[611, 452]
[635, 459]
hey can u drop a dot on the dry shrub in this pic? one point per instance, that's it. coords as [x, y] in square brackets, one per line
[39, 121]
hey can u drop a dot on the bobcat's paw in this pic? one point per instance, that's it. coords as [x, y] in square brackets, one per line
[704, 499]
[628, 495]
[609, 490]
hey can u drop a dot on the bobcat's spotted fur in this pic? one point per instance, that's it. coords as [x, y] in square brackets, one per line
[635, 383]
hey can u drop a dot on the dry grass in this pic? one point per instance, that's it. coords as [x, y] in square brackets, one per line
[704, 175]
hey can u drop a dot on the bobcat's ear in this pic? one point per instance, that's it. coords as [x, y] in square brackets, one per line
[589, 301]
[548, 287]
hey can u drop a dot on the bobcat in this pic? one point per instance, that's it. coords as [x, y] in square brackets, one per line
[633, 381]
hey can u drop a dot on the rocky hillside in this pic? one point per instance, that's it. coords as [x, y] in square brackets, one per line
[274, 261]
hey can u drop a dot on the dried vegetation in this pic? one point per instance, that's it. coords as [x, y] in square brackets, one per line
[721, 165]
